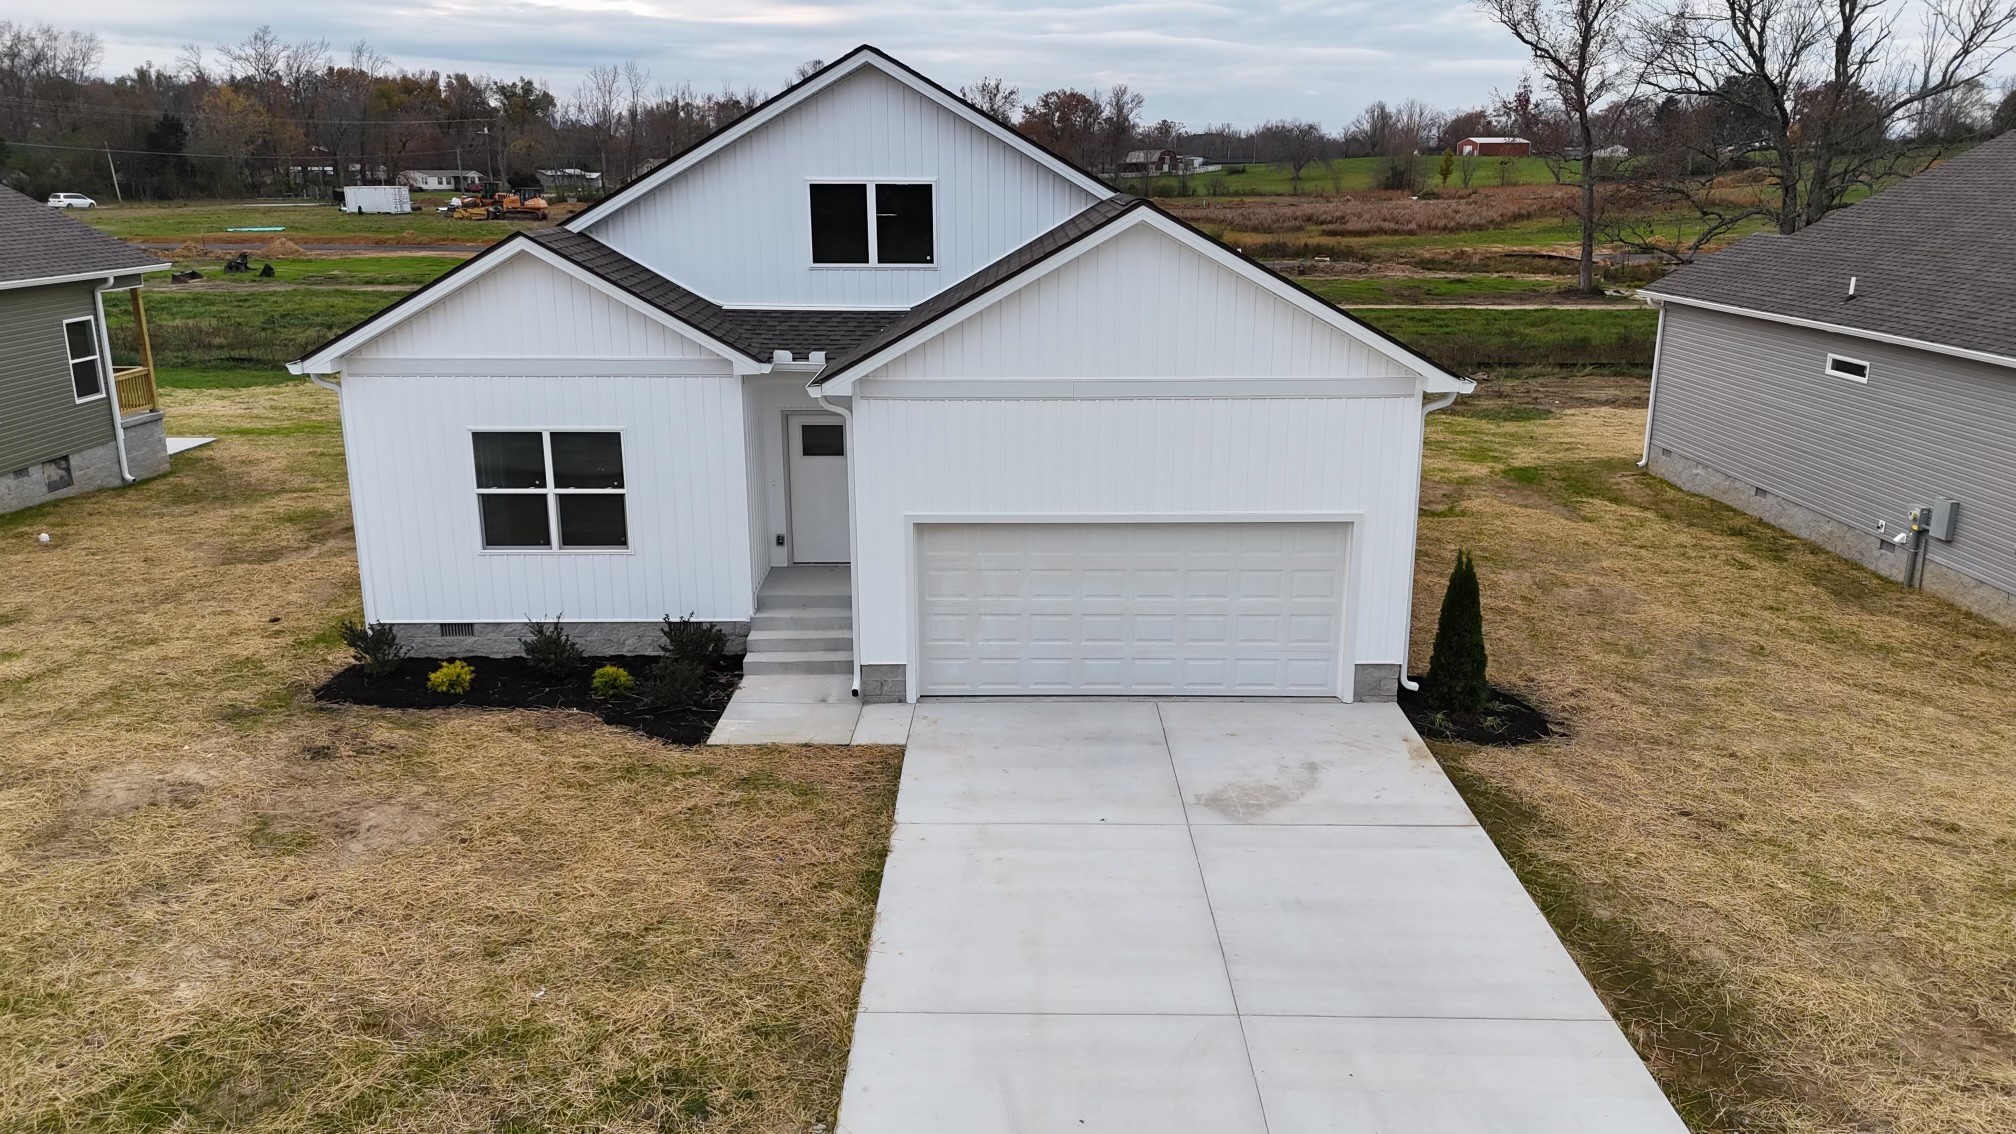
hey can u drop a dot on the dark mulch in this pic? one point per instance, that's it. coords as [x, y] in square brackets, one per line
[508, 683]
[1508, 720]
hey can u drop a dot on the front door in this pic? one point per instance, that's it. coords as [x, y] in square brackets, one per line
[817, 444]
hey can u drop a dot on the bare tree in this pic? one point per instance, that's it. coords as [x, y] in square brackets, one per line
[1578, 47]
[994, 98]
[1293, 143]
[599, 105]
[807, 69]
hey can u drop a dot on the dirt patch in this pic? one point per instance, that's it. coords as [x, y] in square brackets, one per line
[1567, 392]
[281, 248]
[380, 827]
[125, 790]
[509, 683]
[1507, 720]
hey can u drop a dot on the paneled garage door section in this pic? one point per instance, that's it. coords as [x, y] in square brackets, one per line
[1177, 609]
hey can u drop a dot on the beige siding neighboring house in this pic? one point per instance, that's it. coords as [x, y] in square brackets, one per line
[1835, 381]
[71, 419]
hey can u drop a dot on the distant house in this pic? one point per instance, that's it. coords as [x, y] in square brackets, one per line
[70, 420]
[1147, 163]
[1614, 153]
[569, 178]
[1835, 381]
[1494, 147]
[439, 180]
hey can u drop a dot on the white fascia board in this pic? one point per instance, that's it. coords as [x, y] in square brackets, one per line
[329, 360]
[1433, 378]
[80, 277]
[757, 119]
[1660, 299]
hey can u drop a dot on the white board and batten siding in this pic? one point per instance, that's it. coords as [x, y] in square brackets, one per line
[737, 227]
[568, 357]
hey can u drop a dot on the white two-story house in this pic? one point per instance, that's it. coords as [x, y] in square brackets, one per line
[1067, 444]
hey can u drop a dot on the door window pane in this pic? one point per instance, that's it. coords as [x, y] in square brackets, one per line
[588, 460]
[903, 224]
[839, 224]
[510, 460]
[822, 440]
[515, 520]
[593, 520]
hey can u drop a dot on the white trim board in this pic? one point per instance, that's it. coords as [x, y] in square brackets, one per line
[1659, 299]
[1433, 378]
[852, 62]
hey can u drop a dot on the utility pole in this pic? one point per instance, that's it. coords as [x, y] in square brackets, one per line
[115, 174]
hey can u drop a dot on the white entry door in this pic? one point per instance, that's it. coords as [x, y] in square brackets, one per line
[817, 444]
[1154, 609]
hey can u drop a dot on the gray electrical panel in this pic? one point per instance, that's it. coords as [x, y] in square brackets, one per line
[1945, 518]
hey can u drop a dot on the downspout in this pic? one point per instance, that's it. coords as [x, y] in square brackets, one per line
[853, 523]
[1407, 646]
[110, 380]
[1652, 399]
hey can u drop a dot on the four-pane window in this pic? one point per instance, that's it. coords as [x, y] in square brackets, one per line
[80, 338]
[872, 223]
[551, 489]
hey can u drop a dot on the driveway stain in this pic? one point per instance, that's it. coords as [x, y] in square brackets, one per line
[1249, 801]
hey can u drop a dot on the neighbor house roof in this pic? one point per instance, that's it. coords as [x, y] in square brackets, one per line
[46, 245]
[1521, 141]
[1929, 256]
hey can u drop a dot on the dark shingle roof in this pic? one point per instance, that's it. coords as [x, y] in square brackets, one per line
[986, 279]
[755, 333]
[41, 242]
[1930, 257]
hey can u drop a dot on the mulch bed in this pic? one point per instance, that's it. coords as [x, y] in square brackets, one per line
[1508, 720]
[508, 683]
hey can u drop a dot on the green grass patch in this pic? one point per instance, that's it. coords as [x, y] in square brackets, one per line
[1479, 338]
[221, 377]
[207, 330]
[1461, 289]
[336, 271]
[313, 221]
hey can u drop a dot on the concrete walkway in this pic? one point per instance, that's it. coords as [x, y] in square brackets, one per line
[806, 709]
[1218, 917]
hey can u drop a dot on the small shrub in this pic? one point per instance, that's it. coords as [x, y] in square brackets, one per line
[698, 642]
[611, 682]
[453, 678]
[551, 652]
[674, 684]
[1456, 681]
[376, 647]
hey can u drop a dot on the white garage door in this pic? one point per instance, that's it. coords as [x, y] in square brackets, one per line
[1230, 609]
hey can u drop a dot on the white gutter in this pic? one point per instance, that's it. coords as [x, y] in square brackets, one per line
[1414, 550]
[1652, 397]
[1837, 329]
[853, 523]
[110, 379]
[80, 277]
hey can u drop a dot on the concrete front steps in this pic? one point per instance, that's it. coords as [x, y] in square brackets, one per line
[804, 623]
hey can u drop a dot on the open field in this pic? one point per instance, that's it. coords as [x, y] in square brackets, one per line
[1354, 291]
[1777, 834]
[368, 270]
[242, 327]
[1471, 339]
[208, 220]
[231, 908]
[1340, 175]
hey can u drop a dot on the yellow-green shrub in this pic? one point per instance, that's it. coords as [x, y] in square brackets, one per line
[612, 681]
[453, 678]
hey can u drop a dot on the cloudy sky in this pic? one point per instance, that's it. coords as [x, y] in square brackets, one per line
[1198, 61]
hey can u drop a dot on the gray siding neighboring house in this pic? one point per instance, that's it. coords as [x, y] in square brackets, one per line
[54, 443]
[1745, 410]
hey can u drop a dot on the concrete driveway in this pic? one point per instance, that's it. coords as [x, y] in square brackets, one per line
[1216, 917]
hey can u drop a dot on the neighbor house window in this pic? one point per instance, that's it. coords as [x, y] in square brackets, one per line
[87, 379]
[548, 490]
[872, 223]
[1853, 369]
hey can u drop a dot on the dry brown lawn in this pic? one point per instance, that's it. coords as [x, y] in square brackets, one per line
[1781, 834]
[228, 908]
[1383, 214]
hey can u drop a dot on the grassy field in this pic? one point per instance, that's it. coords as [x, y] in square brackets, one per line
[209, 220]
[1340, 175]
[369, 270]
[229, 908]
[244, 328]
[1777, 832]
[1352, 291]
[1471, 339]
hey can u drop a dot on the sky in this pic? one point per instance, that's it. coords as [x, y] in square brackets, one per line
[1197, 61]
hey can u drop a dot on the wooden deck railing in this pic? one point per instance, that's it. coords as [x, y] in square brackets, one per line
[136, 389]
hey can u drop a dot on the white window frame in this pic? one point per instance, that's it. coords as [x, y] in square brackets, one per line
[552, 492]
[1863, 378]
[874, 261]
[96, 356]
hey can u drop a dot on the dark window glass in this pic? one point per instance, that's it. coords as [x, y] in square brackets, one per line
[85, 379]
[839, 224]
[822, 440]
[515, 520]
[82, 340]
[903, 224]
[1851, 368]
[593, 520]
[510, 460]
[588, 460]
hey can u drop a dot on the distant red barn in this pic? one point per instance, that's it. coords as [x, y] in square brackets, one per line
[1494, 147]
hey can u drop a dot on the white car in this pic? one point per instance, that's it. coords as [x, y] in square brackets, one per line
[71, 201]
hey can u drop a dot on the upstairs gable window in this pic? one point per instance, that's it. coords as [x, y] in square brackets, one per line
[872, 223]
